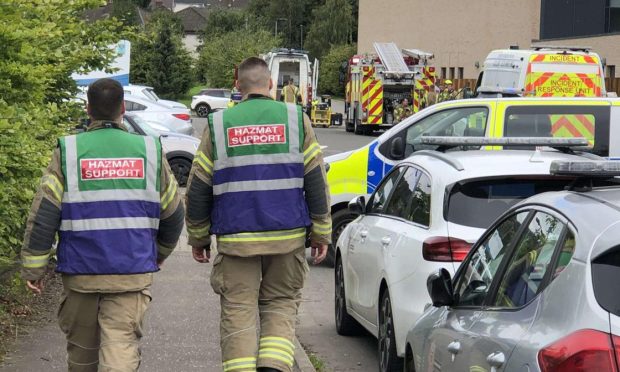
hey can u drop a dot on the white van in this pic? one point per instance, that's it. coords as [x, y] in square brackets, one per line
[286, 64]
[542, 72]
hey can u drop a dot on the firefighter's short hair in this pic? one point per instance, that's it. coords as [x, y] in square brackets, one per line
[253, 73]
[105, 99]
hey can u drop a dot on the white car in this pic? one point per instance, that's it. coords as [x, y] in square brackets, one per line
[146, 92]
[179, 148]
[178, 120]
[425, 215]
[210, 100]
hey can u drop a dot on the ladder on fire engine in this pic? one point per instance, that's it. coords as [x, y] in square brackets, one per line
[391, 57]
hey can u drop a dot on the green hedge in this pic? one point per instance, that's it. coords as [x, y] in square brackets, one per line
[43, 42]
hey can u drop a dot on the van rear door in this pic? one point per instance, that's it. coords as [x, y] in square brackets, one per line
[564, 75]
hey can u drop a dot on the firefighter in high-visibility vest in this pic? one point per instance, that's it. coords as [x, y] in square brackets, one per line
[121, 217]
[446, 93]
[290, 93]
[403, 111]
[258, 184]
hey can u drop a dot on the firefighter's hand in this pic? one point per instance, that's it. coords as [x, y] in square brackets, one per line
[201, 254]
[36, 286]
[319, 252]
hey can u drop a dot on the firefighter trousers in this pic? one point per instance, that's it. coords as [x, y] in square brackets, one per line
[265, 287]
[103, 330]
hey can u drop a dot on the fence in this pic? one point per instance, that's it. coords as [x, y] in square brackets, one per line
[612, 84]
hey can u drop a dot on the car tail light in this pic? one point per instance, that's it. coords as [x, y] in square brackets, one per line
[445, 249]
[616, 340]
[585, 350]
[185, 117]
[365, 115]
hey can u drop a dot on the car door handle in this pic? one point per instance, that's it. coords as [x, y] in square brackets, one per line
[496, 359]
[454, 347]
[386, 240]
[364, 234]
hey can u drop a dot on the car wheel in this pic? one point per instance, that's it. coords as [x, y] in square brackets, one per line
[340, 220]
[345, 324]
[180, 168]
[348, 126]
[388, 360]
[359, 128]
[203, 110]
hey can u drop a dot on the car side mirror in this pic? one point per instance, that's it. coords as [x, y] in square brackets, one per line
[357, 205]
[397, 148]
[439, 285]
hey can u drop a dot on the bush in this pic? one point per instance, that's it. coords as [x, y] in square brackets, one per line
[330, 68]
[42, 44]
[221, 53]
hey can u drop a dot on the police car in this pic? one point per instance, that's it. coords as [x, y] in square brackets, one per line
[424, 216]
[359, 171]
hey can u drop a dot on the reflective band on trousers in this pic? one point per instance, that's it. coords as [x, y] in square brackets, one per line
[220, 142]
[281, 184]
[240, 363]
[110, 224]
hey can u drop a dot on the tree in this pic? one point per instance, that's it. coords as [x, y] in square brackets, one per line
[170, 69]
[220, 54]
[125, 11]
[221, 21]
[159, 58]
[289, 15]
[330, 68]
[332, 25]
[43, 42]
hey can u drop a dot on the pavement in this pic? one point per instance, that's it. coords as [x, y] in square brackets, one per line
[182, 324]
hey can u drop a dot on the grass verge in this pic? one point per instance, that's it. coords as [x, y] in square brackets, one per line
[317, 362]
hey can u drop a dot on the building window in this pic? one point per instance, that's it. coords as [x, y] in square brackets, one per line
[443, 72]
[575, 18]
[451, 73]
[611, 71]
[613, 16]
[461, 73]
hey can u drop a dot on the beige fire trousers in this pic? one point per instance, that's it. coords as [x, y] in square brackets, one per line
[268, 287]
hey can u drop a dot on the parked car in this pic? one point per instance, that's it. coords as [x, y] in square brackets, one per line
[538, 292]
[146, 92]
[423, 216]
[358, 172]
[176, 119]
[179, 148]
[210, 100]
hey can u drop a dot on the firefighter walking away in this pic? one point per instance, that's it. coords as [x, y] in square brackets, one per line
[113, 200]
[258, 183]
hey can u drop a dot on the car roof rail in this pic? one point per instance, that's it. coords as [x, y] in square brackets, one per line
[443, 157]
[445, 143]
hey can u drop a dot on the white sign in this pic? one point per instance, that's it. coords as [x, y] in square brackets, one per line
[120, 65]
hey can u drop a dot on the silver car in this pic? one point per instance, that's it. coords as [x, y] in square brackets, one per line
[178, 120]
[538, 290]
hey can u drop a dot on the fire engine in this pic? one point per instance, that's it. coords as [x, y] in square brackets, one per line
[376, 84]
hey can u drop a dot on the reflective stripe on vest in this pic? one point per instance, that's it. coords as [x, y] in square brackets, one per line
[258, 188]
[111, 204]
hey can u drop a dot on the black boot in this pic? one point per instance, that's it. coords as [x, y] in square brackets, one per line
[268, 369]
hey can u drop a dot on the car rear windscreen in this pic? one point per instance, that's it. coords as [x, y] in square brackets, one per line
[479, 203]
[605, 275]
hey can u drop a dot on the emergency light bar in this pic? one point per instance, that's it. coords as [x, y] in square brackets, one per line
[585, 168]
[504, 141]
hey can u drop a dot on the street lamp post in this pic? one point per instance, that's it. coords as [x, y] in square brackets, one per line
[278, 20]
